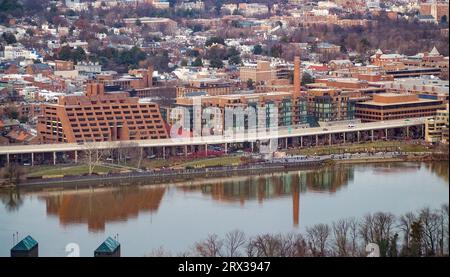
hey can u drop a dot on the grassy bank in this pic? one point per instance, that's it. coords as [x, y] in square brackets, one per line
[380, 146]
[194, 163]
[74, 170]
[219, 161]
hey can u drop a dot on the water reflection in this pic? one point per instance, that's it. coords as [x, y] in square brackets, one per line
[99, 206]
[11, 200]
[440, 169]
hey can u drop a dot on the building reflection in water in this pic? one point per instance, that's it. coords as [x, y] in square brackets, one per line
[440, 169]
[277, 185]
[99, 206]
[394, 168]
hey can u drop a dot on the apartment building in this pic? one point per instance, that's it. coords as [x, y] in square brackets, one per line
[263, 104]
[328, 105]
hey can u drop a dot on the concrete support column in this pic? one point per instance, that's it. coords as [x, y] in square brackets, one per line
[54, 158]
[32, 159]
[407, 131]
[371, 135]
[252, 145]
[286, 143]
[7, 159]
[386, 132]
[317, 140]
[76, 156]
[301, 142]
[206, 150]
[330, 139]
[358, 135]
[185, 151]
[344, 137]
[164, 152]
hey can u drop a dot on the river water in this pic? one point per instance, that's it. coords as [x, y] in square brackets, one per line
[144, 217]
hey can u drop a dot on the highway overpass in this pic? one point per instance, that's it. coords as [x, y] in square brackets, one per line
[285, 135]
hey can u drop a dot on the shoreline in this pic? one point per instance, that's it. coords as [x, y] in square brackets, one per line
[161, 179]
[177, 176]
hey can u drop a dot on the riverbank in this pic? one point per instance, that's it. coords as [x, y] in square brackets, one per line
[167, 176]
[183, 175]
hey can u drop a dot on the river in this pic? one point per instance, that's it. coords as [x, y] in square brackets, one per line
[144, 217]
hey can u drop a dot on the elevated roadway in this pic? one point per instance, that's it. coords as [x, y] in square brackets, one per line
[280, 133]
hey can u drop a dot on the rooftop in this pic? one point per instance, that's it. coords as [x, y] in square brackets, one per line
[26, 244]
[108, 246]
[388, 99]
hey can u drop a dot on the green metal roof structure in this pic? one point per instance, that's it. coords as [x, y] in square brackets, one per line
[108, 246]
[26, 244]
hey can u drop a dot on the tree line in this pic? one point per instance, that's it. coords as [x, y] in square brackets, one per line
[414, 234]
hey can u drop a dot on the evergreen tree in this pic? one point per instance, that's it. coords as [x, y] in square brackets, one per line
[9, 38]
[216, 63]
[257, 49]
[197, 62]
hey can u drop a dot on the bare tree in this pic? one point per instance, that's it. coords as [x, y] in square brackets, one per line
[366, 229]
[405, 222]
[383, 229]
[300, 246]
[93, 155]
[266, 245]
[159, 252]
[211, 247]
[355, 250]
[318, 239]
[445, 228]
[430, 223]
[341, 230]
[234, 241]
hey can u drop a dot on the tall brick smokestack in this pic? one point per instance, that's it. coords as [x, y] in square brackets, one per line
[297, 76]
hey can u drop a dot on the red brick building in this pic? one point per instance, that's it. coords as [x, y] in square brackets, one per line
[389, 106]
[100, 116]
